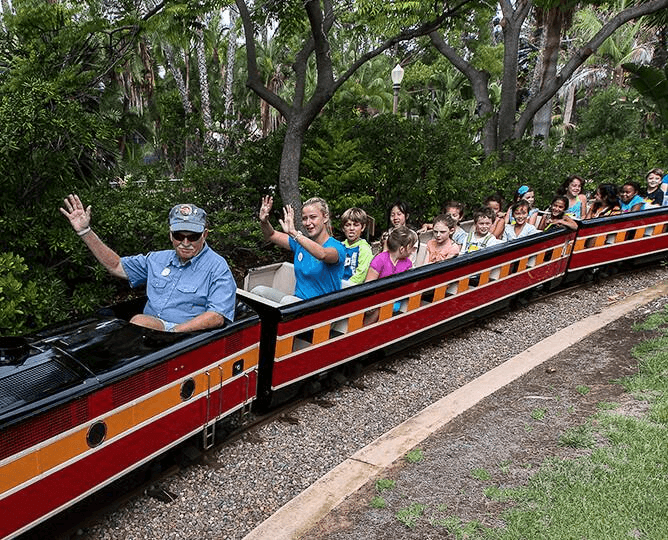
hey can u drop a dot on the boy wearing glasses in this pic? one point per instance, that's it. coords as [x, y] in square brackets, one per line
[189, 288]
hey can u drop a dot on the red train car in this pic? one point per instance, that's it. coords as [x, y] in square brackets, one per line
[636, 236]
[84, 404]
[306, 338]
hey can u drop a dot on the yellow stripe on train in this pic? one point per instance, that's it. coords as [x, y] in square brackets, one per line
[62, 449]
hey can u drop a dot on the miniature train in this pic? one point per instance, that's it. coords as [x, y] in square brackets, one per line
[84, 403]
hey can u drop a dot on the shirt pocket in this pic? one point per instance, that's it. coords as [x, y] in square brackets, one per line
[193, 296]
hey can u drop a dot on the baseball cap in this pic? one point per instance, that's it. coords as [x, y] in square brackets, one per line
[187, 217]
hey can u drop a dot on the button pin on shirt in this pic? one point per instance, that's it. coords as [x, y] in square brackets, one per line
[165, 272]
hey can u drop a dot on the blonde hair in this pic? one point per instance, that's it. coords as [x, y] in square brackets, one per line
[324, 208]
[356, 215]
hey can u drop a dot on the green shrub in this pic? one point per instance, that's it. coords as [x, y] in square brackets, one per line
[27, 304]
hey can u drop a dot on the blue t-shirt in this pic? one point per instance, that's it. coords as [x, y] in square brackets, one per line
[358, 258]
[314, 277]
[178, 292]
[626, 207]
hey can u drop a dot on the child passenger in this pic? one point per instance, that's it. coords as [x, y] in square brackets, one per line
[654, 194]
[495, 202]
[358, 250]
[577, 202]
[521, 226]
[605, 202]
[524, 193]
[442, 247]
[629, 198]
[455, 209]
[557, 215]
[480, 237]
[400, 245]
[398, 217]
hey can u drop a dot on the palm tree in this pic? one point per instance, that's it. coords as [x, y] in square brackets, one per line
[630, 43]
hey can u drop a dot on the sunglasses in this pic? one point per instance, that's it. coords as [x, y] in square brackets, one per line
[192, 237]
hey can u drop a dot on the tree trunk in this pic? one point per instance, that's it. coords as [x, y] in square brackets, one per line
[554, 22]
[513, 19]
[204, 88]
[552, 85]
[178, 79]
[302, 111]
[229, 70]
[479, 83]
[288, 181]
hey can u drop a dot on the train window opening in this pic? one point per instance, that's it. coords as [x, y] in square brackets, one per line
[514, 267]
[548, 255]
[495, 273]
[630, 235]
[399, 307]
[531, 262]
[452, 289]
[610, 238]
[302, 341]
[427, 297]
[370, 317]
[649, 231]
[338, 328]
[590, 242]
[474, 281]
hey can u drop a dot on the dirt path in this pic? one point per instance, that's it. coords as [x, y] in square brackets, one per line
[506, 436]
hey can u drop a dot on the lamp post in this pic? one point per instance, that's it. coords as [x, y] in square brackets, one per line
[397, 77]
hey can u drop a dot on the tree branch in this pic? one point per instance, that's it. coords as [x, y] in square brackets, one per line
[580, 56]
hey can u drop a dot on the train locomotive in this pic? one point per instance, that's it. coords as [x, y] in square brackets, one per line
[84, 403]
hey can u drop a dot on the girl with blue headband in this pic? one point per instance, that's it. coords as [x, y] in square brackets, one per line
[524, 193]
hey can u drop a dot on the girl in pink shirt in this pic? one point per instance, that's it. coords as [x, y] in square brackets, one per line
[400, 245]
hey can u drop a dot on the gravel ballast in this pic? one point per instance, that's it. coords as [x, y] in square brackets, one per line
[239, 484]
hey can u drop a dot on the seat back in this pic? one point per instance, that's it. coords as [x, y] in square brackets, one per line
[279, 276]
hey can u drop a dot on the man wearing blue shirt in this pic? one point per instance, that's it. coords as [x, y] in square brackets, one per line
[189, 288]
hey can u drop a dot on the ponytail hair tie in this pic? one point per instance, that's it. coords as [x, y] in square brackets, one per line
[522, 190]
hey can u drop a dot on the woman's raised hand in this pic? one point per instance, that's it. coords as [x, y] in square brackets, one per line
[265, 208]
[288, 221]
[75, 212]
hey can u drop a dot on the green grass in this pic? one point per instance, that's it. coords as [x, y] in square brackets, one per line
[383, 484]
[378, 502]
[655, 321]
[481, 474]
[456, 527]
[415, 456]
[538, 414]
[581, 389]
[578, 437]
[410, 515]
[606, 406]
[619, 490]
